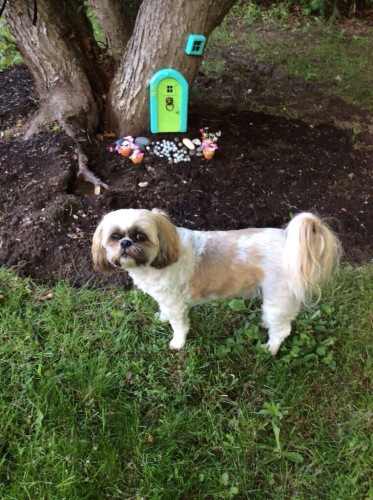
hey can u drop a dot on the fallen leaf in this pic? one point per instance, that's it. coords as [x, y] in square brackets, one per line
[45, 297]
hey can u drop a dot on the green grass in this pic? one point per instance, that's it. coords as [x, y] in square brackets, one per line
[92, 404]
[336, 56]
[342, 62]
[214, 67]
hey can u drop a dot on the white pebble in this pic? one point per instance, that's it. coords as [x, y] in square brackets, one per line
[188, 143]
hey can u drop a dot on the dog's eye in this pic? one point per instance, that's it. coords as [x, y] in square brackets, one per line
[115, 237]
[140, 237]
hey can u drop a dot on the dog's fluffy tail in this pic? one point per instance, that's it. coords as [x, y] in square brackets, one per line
[311, 254]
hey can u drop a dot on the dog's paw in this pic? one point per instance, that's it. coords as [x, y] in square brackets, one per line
[273, 349]
[176, 344]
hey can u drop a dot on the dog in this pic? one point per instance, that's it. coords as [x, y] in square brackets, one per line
[180, 267]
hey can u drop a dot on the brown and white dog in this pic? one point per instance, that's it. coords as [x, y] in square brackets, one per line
[180, 267]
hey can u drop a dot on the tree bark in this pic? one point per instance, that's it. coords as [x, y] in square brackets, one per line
[63, 59]
[158, 41]
[117, 24]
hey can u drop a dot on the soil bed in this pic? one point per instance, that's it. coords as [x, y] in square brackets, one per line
[267, 167]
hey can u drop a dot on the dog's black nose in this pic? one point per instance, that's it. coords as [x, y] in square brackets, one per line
[125, 243]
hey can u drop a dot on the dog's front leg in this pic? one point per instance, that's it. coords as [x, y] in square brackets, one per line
[180, 325]
[162, 316]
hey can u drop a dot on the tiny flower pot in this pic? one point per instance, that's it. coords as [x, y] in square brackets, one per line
[126, 151]
[208, 154]
[137, 159]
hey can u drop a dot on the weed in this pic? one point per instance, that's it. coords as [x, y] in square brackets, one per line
[214, 67]
[53, 127]
[9, 132]
[9, 55]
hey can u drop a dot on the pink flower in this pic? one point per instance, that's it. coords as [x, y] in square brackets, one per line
[136, 153]
[209, 139]
[209, 145]
[128, 140]
[123, 144]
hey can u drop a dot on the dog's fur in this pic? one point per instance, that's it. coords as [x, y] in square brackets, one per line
[180, 267]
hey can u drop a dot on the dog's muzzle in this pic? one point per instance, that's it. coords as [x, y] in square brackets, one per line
[130, 250]
[125, 244]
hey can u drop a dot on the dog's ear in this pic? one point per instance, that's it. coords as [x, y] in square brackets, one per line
[99, 257]
[169, 244]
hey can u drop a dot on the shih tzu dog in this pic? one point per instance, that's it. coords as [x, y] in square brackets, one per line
[180, 267]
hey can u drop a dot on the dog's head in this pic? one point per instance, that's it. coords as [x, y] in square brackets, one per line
[131, 238]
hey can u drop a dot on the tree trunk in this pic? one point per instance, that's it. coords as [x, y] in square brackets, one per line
[158, 41]
[77, 79]
[62, 59]
[116, 23]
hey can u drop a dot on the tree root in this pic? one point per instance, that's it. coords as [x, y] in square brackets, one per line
[83, 170]
[36, 123]
[45, 116]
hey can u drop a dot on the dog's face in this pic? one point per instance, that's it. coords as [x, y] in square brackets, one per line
[132, 238]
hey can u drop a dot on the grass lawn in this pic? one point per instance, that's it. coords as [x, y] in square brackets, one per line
[338, 56]
[93, 405]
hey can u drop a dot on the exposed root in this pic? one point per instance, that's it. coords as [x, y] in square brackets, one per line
[83, 170]
[36, 123]
[46, 115]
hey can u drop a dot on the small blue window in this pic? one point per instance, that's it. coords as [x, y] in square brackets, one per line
[195, 45]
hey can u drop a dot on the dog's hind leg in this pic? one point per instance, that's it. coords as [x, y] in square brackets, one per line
[278, 313]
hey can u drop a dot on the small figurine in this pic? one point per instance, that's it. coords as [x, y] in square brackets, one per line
[137, 156]
[209, 141]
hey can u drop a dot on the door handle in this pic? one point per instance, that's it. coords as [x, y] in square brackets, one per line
[169, 103]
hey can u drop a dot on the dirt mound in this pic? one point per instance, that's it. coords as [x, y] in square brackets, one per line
[266, 168]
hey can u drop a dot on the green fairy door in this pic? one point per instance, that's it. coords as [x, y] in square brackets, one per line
[169, 105]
